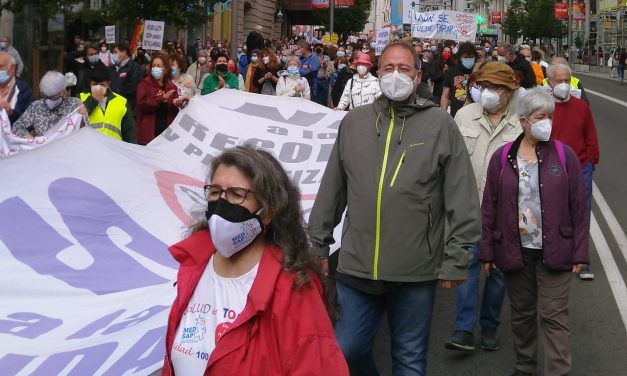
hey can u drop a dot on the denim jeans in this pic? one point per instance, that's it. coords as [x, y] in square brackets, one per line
[621, 71]
[588, 169]
[409, 308]
[468, 296]
[322, 92]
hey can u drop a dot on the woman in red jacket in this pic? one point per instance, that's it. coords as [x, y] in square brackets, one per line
[248, 301]
[156, 95]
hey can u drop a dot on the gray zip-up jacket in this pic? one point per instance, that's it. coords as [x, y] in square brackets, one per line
[401, 171]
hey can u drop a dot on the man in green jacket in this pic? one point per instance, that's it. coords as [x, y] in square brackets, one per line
[220, 78]
[400, 169]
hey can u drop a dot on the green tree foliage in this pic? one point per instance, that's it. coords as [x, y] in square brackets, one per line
[512, 25]
[533, 19]
[348, 20]
[177, 12]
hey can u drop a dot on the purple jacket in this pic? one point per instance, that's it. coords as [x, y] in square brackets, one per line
[565, 219]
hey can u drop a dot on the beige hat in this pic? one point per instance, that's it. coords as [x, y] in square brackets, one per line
[497, 73]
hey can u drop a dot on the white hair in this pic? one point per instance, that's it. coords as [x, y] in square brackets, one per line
[550, 71]
[536, 99]
[52, 83]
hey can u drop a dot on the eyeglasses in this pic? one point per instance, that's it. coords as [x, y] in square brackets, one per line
[234, 195]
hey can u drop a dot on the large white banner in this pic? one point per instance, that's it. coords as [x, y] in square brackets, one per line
[85, 223]
[445, 24]
[11, 144]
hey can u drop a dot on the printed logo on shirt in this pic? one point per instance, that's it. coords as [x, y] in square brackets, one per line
[459, 85]
[122, 74]
[196, 333]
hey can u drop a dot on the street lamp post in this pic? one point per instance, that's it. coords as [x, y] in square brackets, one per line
[331, 16]
[234, 10]
[570, 32]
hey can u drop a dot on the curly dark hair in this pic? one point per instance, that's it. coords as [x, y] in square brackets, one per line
[280, 197]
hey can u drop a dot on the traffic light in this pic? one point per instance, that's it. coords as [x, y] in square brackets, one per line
[480, 20]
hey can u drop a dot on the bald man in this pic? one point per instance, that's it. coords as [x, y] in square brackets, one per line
[15, 94]
[575, 82]
[5, 46]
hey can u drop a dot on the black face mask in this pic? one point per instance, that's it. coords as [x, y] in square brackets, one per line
[318, 50]
[222, 68]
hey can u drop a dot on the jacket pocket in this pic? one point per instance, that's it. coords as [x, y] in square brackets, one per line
[398, 168]
[470, 138]
[566, 231]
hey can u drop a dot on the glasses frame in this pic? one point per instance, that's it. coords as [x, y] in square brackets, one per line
[226, 193]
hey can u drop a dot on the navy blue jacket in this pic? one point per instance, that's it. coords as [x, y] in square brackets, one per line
[24, 99]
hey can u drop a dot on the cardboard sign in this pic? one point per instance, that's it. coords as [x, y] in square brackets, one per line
[110, 34]
[153, 35]
[445, 24]
[383, 39]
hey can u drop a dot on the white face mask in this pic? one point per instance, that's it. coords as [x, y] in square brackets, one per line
[541, 129]
[98, 89]
[362, 69]
[397, 87]
[266, 60]
[53, 103]
[232, 227]
[490, 99]
[501, 59]
[475, 94]
[561, 91]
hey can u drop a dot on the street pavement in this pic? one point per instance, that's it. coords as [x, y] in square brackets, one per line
[599, 336]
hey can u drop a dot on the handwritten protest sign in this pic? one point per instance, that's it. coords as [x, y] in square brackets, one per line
[383, 38]
[153, 35]
[110, 34]
[445, 24]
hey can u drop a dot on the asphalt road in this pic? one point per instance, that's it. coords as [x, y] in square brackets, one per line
[599, 336]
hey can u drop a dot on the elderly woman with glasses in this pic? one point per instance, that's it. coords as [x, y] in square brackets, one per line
[535, 229]
[248, 300]
[486, 125]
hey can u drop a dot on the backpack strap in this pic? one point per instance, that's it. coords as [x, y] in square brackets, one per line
[561, 153]
[504, 153]
[351, 92]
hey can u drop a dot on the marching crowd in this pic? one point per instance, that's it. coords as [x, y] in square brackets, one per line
[492, 140]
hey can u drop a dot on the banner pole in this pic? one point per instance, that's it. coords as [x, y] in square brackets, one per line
[331, 16]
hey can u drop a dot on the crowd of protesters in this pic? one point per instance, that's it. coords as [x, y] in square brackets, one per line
[494, 112]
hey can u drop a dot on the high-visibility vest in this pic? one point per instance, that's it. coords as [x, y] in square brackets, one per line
[108, 122]
[574, 82]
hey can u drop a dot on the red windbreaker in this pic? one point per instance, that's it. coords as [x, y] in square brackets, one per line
[281, 331]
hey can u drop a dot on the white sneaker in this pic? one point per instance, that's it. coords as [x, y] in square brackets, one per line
[586, 275]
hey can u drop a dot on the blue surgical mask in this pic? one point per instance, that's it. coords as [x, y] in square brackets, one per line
[468, 62]
[292, 70]
[174, 70]
[3, 45]
[284, 59]
[340, 54]
[93, 59]
[4, 76]
[433, 49]
[341, 66]
[116, 59]
[156, 72]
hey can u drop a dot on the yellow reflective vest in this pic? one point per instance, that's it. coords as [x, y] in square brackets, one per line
[108, 122]
[574, 82]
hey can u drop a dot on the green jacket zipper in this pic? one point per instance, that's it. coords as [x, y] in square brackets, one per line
[398, 167]
[377, 239]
